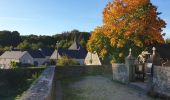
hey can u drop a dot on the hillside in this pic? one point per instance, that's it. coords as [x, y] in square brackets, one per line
[13, 39]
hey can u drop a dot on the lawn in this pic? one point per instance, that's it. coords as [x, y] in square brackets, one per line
[15, 81]
[96, 83]
[98, 87]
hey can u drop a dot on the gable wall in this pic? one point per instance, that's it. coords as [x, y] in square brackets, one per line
[26, 59]
[94, 57]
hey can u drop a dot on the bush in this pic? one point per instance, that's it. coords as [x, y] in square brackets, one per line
[67, 61]
[14, 64]
[14, 81]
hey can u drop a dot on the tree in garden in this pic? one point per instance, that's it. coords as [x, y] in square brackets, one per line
[127, 24]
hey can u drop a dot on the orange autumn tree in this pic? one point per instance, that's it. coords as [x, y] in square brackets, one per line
[127, 24]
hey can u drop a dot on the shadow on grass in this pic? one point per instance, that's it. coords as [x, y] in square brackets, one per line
[68, 92]
[13, 82]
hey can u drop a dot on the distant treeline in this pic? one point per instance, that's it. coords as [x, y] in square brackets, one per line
[9, 40]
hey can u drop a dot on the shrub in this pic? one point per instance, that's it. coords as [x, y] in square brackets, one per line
[67, 61]
[14, 64]
[14, 81]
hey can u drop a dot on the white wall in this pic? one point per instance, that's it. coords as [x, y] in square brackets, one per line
[94, 57]
[27, 59]
[6, 63]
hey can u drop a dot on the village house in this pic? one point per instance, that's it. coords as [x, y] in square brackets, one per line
[38, 57]
[75, 52]
[22, 57]
[47, 52]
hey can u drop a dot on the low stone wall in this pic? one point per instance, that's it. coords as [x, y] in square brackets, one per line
[161, 80]
[43, 88]
[69, 71]
[120, 73]
[74, 71]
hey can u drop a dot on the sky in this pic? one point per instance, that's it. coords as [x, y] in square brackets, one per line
[49, 17]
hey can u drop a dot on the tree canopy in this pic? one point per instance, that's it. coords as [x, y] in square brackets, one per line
[127, 24]
[13, 39]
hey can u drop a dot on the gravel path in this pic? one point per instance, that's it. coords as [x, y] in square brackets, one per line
[102, 88]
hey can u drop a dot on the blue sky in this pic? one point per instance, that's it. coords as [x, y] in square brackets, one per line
[48, 17]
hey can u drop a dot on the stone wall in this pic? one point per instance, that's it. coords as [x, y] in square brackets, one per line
[74, 71]
[69, 71]
[120, 73]
[43, 88]
[161, 80]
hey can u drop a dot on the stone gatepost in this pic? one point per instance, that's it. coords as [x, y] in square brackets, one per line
[154, 60]
[155, 57]
[130, 64]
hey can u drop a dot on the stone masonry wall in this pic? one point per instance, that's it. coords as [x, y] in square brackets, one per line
[161, 80]
[43, 88]
[69, 71]
[120, 73]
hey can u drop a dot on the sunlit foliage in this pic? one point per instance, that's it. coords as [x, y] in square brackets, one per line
[127, 24]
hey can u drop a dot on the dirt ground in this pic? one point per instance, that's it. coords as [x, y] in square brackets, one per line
[103, 88]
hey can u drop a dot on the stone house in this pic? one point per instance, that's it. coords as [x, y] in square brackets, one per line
[75, 52]
[47, 52]
[22, 57]
[38, 57]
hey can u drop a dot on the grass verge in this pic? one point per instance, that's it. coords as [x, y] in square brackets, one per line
[15, 81]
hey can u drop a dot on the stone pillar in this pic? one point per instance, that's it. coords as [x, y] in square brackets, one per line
[130, 63]
[155, 60]
[155, 57]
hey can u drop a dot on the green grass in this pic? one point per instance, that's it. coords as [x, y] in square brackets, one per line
[15, 81]
[70, 93]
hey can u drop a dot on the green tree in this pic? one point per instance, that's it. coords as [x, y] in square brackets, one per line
[24, 45]
[167, 40]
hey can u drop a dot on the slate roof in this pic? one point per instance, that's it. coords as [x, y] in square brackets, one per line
[47, 51]
[36, 53]
[13, 54]
[74, 51]
[77, 54]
